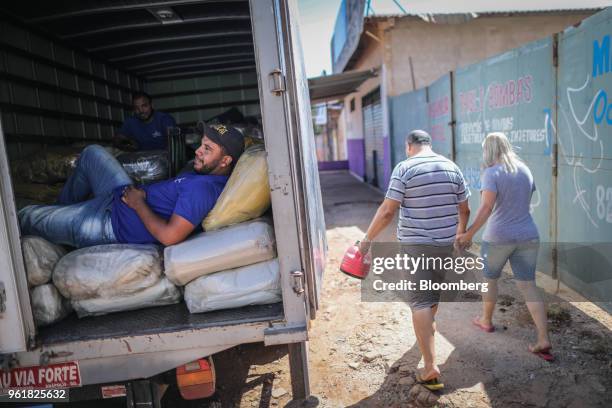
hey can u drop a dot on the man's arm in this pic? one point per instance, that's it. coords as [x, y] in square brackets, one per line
[170, 232]
[464, 216]
[487, 202]
[123, 136]
[384, 215]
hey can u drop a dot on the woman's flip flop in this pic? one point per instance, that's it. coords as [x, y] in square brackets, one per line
[544, 354]
[432, 385]
[488, 329]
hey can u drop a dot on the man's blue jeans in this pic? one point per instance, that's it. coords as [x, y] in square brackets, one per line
[76, 220]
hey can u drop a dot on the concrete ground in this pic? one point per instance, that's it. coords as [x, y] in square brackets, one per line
[364, 354]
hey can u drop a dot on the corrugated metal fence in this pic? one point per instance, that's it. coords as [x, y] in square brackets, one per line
[553, 99]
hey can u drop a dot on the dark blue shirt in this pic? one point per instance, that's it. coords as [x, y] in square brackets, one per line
[189, 195]
[150, 135]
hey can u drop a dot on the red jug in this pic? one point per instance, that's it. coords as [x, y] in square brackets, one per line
[354, 263]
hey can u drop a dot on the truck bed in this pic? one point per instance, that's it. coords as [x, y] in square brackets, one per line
[152, 321]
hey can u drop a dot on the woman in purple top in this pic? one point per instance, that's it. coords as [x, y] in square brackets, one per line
[510, 234]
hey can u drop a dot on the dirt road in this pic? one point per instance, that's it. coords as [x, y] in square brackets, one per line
[364, 354]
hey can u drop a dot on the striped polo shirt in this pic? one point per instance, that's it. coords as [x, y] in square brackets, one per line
[429, 187]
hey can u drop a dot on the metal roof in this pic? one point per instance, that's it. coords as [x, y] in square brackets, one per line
[152, 39]
[429, 7]
[331, 87]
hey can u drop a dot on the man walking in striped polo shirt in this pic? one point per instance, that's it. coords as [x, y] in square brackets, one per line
[431, 194]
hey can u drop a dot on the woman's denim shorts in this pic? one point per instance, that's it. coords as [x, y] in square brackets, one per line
[523, 257]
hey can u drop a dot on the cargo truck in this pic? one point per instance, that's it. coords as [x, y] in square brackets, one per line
[67, 70]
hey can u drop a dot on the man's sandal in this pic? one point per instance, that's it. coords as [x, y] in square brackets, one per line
[432, 385]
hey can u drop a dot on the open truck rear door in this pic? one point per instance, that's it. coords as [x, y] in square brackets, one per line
[293, 176]
[310, 208]
[15, 326]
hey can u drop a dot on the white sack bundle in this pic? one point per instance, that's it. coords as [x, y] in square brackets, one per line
[220, 250]
[48, 306]
[257, 284]
[40, 257]
[160, 294]
[108, 271]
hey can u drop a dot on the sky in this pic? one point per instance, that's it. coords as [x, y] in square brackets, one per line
[317, 18]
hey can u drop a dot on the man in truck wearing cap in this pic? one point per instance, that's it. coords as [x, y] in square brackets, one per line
[100, 205]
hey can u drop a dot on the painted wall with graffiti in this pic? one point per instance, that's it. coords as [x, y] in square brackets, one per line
[427, 108]
[553, 99]
[584, 135]
[439, 115]
[510, 93]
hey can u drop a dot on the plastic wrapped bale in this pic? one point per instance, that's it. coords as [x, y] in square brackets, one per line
[252, 141]
[247, 193]
[252, 133]
[160, 294]
[48, 306]
[257, 284]
[46, 194]
[214, 251]
[145, 167]
[40, 257]
[193, 139]
[52, 166]
[108, 271]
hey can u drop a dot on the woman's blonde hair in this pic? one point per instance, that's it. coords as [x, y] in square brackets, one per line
[496, 149]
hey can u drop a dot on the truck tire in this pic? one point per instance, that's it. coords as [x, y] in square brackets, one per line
[143, 394]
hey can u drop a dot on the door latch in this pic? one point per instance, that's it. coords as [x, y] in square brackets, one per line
[277, 82]
[297, 282]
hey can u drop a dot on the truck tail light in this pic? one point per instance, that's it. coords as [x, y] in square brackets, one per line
[196, 380]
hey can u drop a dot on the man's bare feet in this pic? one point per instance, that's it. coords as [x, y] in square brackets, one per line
[428, 374]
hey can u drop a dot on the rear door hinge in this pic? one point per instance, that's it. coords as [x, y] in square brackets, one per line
[277, 82]
[2, 298]
[298, 281]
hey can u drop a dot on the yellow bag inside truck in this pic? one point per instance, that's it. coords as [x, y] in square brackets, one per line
[246, 194]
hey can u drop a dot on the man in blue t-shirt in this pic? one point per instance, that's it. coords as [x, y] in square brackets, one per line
[147, 129]
[119, 212]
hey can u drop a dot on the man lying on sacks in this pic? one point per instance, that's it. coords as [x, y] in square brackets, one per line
[99, 205]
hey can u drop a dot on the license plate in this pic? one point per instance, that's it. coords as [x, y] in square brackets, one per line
[113, 391]
[62, 375]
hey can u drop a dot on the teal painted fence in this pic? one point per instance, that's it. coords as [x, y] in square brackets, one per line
[553, 99]
[584, 135]
[409, 111]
